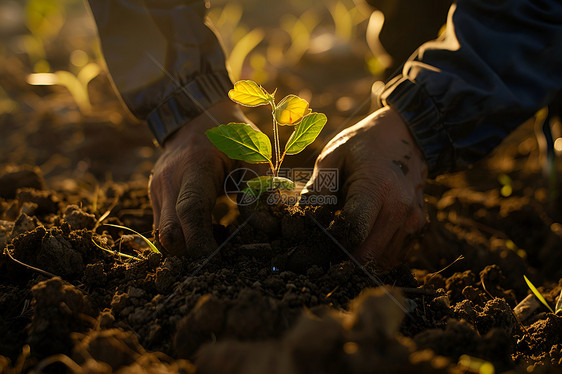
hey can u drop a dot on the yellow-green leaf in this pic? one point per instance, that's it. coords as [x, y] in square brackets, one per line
[265, 183]
[537, 294]
[148, 242]
[291, 110]
[241, 141]
[249, 93]
[305, 133]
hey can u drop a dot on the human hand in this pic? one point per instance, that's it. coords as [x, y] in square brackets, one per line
[382, 175]
[186, 180]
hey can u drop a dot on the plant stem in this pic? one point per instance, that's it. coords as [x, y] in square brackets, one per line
[279, 159]
[275, 143]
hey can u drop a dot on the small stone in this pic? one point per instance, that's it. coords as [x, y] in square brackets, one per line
[525, 308]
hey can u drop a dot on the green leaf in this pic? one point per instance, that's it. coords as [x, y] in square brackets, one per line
[249, 93]
[305, 133]
[241, 141]
[148, 242]
[250, 191]
[265, 183]
[537, 293]
[291, 110]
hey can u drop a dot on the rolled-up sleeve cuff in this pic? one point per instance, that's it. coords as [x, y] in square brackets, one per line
[423, 118]
[188, 102]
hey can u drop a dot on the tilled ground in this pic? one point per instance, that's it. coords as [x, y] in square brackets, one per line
[280, 298]
[286, 300]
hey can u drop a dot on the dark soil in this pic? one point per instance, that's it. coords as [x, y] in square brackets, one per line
[280, 295]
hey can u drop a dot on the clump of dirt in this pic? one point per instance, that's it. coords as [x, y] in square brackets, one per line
[282, 292]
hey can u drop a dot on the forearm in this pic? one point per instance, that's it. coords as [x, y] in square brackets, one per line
[166, 64]
[497, 65]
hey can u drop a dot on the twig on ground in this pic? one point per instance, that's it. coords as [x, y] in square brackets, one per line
[44, 272]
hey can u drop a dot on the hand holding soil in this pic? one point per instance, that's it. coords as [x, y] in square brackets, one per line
[383, 175]
[187, 179]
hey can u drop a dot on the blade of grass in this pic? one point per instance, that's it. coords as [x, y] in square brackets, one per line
[537, 293]
[148, 242]
[558, 306]
[115, 252]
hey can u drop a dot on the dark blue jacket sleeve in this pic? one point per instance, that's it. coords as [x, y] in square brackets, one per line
[167, 65]
[497, 64]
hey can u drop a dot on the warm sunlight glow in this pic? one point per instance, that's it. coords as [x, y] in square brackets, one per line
[558, 145]
[42, 79]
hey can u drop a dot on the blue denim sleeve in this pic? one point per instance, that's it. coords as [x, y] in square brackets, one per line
[166, 64]
[497, 64]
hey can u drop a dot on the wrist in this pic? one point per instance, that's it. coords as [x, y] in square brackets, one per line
[187, 103]
[193, 131]
[405, 135]
[422, 117]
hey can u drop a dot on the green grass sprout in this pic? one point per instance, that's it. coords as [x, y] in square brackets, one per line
[115, 252]
[148, 242]
[537, 293]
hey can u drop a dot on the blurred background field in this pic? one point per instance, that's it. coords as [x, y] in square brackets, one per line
[58, 109]
[58, 112]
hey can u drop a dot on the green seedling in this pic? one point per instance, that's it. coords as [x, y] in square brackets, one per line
[241, 141]
[537, 294]
[148, 242]
[115, 252]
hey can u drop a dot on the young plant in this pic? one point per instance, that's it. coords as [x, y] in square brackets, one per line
[241, 141]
